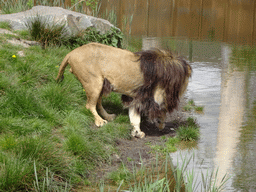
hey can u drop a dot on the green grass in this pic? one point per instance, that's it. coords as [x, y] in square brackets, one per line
[5, 25]
[49, 34]
[163, 176]
[188, 131]
[13, 6]
[120, 176]
[49, 183]
[190, 106]
[45, 129]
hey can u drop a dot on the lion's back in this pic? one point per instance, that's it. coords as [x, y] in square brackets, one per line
[120, 67]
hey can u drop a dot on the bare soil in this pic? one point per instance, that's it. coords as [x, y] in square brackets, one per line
[137, 151]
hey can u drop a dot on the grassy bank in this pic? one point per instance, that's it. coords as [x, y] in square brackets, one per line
[48, 141]
[46, 125]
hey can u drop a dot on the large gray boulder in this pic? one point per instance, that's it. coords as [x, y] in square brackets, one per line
[74, 21]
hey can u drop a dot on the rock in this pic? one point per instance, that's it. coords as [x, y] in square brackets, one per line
[74, 21]
[24, 43]
[5, 31]
[17, 42]
[21, 53]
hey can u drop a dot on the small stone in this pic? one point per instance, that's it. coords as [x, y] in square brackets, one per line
[21, 54]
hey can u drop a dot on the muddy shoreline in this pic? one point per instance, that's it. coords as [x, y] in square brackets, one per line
[137, 151]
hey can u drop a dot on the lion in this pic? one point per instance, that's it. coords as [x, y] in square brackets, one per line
[151, 82]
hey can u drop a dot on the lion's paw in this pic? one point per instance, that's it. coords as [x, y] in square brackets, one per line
[138, 134]
[100, 122]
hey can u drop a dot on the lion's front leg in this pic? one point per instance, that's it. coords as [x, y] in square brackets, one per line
[135, 122]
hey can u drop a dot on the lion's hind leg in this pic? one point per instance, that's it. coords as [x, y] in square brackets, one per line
[103, 112]
[93, 92]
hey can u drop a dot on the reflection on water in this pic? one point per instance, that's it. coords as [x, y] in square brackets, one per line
[228, 125]
[232, 109]
[245, 159]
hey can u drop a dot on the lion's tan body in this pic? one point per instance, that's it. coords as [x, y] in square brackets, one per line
[93, 63]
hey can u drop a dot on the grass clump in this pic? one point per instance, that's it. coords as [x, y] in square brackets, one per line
[120, 176]
[169, 145]
[14, 172]
[45, 32]
[189, 131]
[165, 177]
[49, 183]
[16, 161]
[49, 34]
[191, 106]
[5, 25]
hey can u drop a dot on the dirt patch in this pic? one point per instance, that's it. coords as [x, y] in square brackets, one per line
[137, 151]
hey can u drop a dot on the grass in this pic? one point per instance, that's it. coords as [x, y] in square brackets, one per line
[45, 32]
[45, 130]
[5, 25]
[13, 6]
[188, 131]
[120, 176]
[191, 106]
[49, 183]
[49, 34]
[163, 176]
[47, 137]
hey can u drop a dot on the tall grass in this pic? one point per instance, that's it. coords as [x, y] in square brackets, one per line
[13, 6]
[46, 32]
[49, 34]
[163, 176]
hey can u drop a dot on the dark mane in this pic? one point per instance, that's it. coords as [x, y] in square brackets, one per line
[164, 69]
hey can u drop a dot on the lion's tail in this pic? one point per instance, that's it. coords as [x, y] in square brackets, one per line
[63, 65]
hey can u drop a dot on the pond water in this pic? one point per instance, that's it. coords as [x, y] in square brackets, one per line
[228, 125]
[223, 80]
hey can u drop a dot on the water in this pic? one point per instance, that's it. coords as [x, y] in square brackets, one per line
[228, 126]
